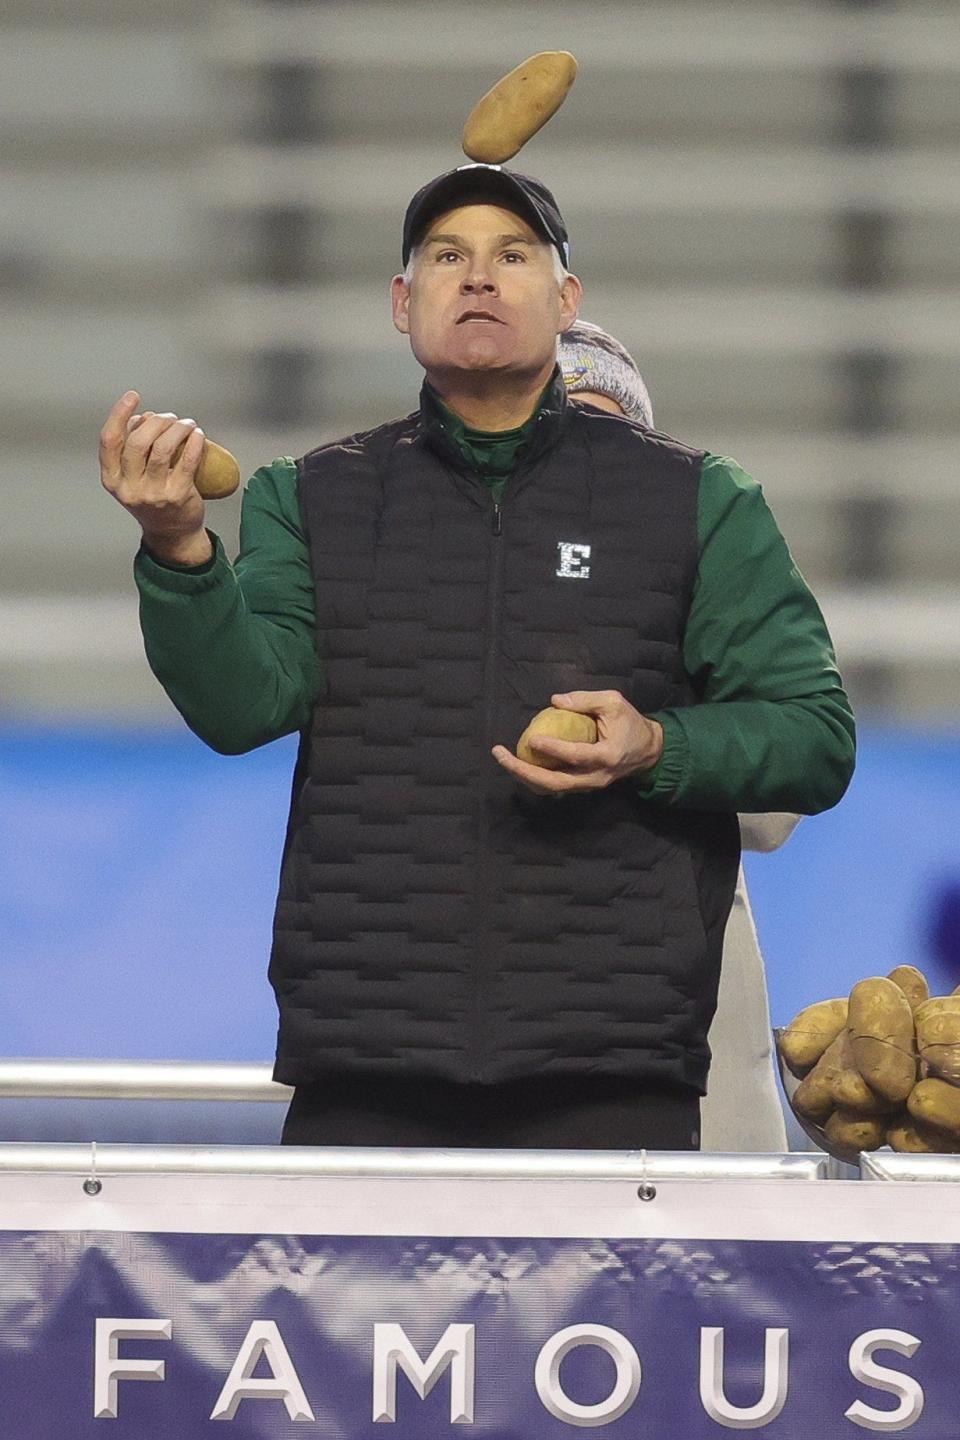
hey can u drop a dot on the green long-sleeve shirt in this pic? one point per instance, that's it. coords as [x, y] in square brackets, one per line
[233, 646]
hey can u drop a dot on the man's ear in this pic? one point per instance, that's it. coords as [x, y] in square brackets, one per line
[571, 295]
[400, 301]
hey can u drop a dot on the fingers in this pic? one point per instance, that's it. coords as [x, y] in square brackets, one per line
[113, 435]
[530, 775]
[589, 702]
[585, 766]
[136, 451]
[574, 754]
[148, 460]
[192, 450]
[126, 441]
[547, 782]
[628, 742]
[189, 461]
[163, 434]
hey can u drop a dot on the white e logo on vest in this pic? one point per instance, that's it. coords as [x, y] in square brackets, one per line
[572, 561]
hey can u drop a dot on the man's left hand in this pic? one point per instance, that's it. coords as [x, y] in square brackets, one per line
[626, 742]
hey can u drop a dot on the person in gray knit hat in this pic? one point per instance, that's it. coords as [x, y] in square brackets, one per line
[594, 363]
[741, 1111]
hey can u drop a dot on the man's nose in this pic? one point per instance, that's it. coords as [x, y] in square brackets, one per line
[479, 281]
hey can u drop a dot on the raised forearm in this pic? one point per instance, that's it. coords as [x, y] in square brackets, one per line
[194, 549]
[238, 679]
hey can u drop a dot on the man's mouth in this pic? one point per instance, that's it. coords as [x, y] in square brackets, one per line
[478, 315]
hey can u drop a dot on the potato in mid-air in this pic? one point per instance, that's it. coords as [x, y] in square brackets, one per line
[517, 106]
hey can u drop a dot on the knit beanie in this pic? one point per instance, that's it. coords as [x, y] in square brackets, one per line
[590, 359]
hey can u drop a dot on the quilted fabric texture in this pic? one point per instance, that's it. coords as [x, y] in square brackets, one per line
[434, 917]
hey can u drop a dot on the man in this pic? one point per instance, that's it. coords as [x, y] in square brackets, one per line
[742, 1109]
[469, 952]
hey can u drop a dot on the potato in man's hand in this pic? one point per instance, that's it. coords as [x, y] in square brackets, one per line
[559, 725]
[218, 473]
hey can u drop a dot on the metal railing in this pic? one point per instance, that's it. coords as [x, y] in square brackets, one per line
[139, 1080]
[419, 1163]
[232, 1082]
[180, 1081]
[888, 1165]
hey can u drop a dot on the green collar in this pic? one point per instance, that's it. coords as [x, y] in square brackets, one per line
[491, 454]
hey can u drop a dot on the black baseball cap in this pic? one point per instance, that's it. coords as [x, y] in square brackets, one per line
[528, 197]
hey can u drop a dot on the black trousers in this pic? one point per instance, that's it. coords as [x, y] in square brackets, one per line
[589, 1112]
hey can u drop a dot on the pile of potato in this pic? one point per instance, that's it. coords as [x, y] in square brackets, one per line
[879, 1068]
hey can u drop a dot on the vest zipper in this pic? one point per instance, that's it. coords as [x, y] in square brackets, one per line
[485, 879]
[493, 624]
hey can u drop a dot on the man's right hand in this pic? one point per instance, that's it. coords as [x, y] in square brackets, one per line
[136, 452]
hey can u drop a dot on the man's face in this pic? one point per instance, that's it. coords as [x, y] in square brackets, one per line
[483, 295]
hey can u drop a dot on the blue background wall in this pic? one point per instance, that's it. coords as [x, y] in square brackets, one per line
[139, 875]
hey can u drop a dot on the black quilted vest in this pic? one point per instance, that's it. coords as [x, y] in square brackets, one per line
[434, 917]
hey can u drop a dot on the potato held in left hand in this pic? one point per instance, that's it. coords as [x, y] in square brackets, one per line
[559, 725]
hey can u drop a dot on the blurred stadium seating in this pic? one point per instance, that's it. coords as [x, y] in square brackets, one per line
[204, 202]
